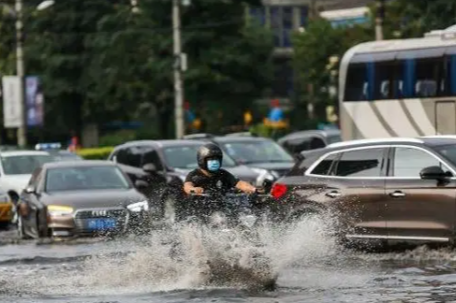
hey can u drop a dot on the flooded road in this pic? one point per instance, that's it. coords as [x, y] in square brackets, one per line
[309, 267]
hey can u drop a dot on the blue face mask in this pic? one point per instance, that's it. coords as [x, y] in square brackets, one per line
[213, 165]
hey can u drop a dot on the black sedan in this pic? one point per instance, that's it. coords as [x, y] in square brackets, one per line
[78, 198]
[270, 160]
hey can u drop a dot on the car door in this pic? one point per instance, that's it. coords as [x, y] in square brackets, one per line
[355, 189]
[418, 209]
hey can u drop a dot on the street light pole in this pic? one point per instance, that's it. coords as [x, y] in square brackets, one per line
[20, 72]
[178, 86]
[379, 19]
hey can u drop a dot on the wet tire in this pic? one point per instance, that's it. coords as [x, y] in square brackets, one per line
[4, 225]
[302, 213]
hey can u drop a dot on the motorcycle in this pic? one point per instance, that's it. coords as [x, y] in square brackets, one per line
[229, 220]
[216, 209]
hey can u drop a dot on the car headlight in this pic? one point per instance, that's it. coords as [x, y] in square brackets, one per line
[138, 206]
[59, 211]
[264, 174]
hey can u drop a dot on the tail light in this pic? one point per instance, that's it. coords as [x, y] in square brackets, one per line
[278, 190]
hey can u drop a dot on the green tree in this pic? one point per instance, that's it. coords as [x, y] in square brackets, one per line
[101, 62]
[313, 50]
[412, 18]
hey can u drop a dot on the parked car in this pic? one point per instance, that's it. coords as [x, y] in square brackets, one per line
[395, 189]
[263, 155]
[16, 168]
[77, 198]
[170, 159]
[297, 142]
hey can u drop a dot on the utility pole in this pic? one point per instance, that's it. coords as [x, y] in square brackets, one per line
[22, 130]
[178, 86]
[379, 19]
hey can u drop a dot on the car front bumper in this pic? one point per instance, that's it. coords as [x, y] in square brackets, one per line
[89, 222]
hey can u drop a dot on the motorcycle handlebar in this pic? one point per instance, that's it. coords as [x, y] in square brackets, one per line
[212, 194]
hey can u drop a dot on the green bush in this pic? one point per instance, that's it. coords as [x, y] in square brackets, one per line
[100, 153]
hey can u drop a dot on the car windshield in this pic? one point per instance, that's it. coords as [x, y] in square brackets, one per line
[85, 178]
[23, 164]
[448, 151]
[184, 157]
[257, 151]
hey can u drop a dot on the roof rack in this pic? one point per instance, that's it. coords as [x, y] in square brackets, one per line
[375, 140]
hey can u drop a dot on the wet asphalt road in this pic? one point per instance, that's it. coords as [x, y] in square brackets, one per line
[310, 267]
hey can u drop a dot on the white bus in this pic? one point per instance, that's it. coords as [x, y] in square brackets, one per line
[399, 87]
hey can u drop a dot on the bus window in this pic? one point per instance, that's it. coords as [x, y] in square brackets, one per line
[418, 73]
[450, 75]
[383, 76]
[356, 82]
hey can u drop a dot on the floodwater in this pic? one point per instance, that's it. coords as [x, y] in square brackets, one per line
[215, 266]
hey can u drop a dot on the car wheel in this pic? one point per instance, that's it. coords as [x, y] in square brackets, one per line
[4, 225]
[302, 213]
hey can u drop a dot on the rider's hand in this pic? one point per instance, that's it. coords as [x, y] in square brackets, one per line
[197, 190]
[251, 190]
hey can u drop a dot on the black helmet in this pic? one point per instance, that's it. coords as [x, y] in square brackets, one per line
[208, 151]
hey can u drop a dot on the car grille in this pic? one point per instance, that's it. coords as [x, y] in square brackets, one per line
[84, 218]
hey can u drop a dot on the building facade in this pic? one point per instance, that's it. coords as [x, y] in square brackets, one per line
[284, 17]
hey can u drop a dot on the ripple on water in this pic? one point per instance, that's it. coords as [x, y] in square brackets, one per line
[309, 265]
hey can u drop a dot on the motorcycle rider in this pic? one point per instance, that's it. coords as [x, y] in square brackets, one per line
[210, 175]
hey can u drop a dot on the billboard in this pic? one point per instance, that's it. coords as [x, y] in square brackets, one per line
[12, 106]
[34, 101]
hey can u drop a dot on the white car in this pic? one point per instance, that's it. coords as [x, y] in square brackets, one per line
[16, 168]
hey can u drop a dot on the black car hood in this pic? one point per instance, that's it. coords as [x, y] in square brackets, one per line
[280, 167]
[93, 198]
[243, 172]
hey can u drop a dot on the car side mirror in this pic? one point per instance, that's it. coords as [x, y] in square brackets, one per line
[149, 168]
[30, 190]
[141, 184]
[434, 173]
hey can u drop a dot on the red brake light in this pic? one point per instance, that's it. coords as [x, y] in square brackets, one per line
[278, 190]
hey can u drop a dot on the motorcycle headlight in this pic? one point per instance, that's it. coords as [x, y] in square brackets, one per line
[138, 206]
[264, 174]
[59, 211]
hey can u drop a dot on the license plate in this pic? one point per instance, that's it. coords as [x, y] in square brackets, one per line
[101, 224]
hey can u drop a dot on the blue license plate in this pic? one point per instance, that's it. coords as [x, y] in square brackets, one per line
[101, 224]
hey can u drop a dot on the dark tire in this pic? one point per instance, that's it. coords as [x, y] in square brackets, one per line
[304, 212]
[5, 225]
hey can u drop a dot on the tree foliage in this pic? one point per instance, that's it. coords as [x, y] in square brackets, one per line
[100, 61]
[315, 73]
